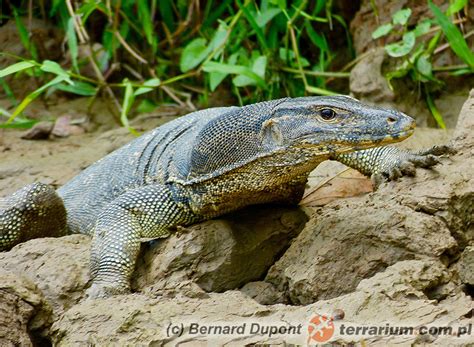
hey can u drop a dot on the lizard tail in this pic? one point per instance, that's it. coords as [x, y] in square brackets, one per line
[33, 211]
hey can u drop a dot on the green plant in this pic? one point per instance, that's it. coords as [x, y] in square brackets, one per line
[417, 52]
[260, 49]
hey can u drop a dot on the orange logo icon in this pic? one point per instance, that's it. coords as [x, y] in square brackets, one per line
[320, 329]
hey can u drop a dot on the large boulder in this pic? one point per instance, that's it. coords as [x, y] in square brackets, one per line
[221, 254]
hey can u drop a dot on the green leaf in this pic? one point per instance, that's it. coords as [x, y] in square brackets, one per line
[401, 16]
[424, 67]
[455, 7]
[289, 56]
[218, 39]
[193, 54]
[148, 86]
[8, 91]
[280, 3]
[72, 43]
[382, 30]
[79, 88]
[454, 36]
[166, 10]
[461, 72]
[127, 104]
[145, 19]
[422, 28]
[264, 17]
[55, 68]
[400, 72]
[216, 78]
[399, 49]
[258, 67]
[234, 69]
[319, 40]
[22, 65]
[250, 18]
[88, 7]
[17, 123]
[146, 106]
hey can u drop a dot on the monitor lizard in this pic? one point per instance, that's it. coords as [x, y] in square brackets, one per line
[203, 165]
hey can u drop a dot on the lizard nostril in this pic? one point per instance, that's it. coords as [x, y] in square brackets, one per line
[391, 120]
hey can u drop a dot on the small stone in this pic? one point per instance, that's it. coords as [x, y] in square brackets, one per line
[40, 131]
[64, 128]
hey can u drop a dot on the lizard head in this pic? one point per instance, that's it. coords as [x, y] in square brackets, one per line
[333, 124]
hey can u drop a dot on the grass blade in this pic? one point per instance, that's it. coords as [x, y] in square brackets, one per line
[22, 65]
[454, 36]
[434, 111]
[72, 43]
[79, 88]
[128, 100]
[251, 19]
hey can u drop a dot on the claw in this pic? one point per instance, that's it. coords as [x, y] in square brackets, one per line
[408, 168]
[101, 291]
[394, 173]
[377, 180]
[438, 150]
[424, 161]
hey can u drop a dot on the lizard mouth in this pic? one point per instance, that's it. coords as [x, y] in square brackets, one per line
[386, 139]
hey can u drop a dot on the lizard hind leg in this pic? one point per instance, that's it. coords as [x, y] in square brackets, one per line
[145, 212]
[33, 211]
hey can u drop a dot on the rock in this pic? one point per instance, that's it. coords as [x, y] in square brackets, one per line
[350, 240]
[63, 127]
[221, 254]
[395, 297]
[466, 266]
[40, 131]
[367, 82]
[24, 311]
[59, 267]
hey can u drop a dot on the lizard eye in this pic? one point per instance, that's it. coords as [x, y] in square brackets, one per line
[327, 114]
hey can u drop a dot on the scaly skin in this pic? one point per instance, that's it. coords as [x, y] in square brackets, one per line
[209, 163]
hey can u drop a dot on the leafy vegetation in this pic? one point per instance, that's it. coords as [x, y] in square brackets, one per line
[418, 53]
[252, 46]
[147, 51]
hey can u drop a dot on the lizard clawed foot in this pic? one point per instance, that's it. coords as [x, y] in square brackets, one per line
[403, 163]
[105, 290]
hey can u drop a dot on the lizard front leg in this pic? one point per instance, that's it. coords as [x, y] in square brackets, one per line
[145, 212]
[382, 163]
